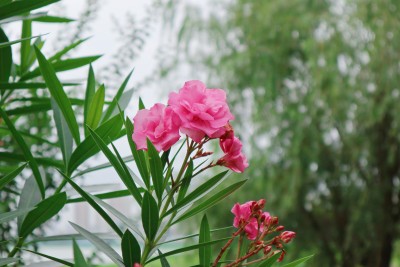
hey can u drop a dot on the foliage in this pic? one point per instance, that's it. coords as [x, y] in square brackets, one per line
[322, 78]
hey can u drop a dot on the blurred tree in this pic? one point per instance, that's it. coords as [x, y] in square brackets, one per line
[322, 79]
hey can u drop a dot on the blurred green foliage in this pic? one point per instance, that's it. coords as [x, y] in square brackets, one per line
[317, 87]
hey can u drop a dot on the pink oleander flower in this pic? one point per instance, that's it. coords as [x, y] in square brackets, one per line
[233, 159]
[203, 112]
[160, 125]
[243, 215]
[137, 265]
[287, 236]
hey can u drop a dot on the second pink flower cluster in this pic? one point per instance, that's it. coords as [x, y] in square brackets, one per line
[196, 111]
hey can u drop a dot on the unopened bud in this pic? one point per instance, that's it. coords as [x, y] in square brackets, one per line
[274, 220]
[282, 256]
[287, 236]
[267, 250]
[280, 228]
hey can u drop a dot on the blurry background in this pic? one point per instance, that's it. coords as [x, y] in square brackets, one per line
[314, 85]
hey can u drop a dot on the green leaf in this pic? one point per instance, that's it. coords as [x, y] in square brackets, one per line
[30, 196]
[141, 104]
[79, 259]
[130, 249]
[64, 134]
[27, 153]
[138, 155]
[113, 106]
[9, 177]
[187, 248]
[57, 56]
[214, 199]
[204, 237]
[29, 16]
[8, 216]
[185, 181]
[96, 108]
[19, 85]
[13, 157]
[108, 131]
[62, 65]
[150, 219]
[53, 19]
[163, 260]
[43, 212]
[20, 7]
[297, 262]
[25, 45]
[103, 236]
[90, 200]
[108, 195]
[120, 169]
[156, 170]
[90, 91]
[67, 263]
[125, 220]
[198, 192]
[58, 94]
[6, 261]
[5, 58]
[270, 261]
[101, 166]
[36, 138]
[6, 44]
[100, 245]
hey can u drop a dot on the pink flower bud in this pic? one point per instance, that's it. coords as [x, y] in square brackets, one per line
[282, 256]
[267, 250]
[280, 228]
[287, 236]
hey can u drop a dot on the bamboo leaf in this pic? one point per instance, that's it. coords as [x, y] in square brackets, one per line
[43, 212]
[130, 249]
[58, 94]
[100, 244]
[9, 177]
[150, 218]
[27, 153]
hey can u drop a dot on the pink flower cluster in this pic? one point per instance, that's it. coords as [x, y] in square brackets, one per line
[196, 111]
[257, 224]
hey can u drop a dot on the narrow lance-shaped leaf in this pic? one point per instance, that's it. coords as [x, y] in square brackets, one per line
[156, 170]
[58, 94]
[113, 106]
[8, 216]
[30, 196]
[25, 45]
[100, 245]
[130, 249]
[6, 261]
[270, 261]
[204, 237]
[9, 177]
[109, 131]
[93, 203]
[64, 262]
[43, 212]
[138, 155]
[79, 259]
[96, 108]
[163, 260]
[5, 58]
[214, 199]
[185, 181]
[20, 7]
[65, 50]
[90, 91]
[150, 218]
[64, 134]
[297, 262]
[27, 153]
